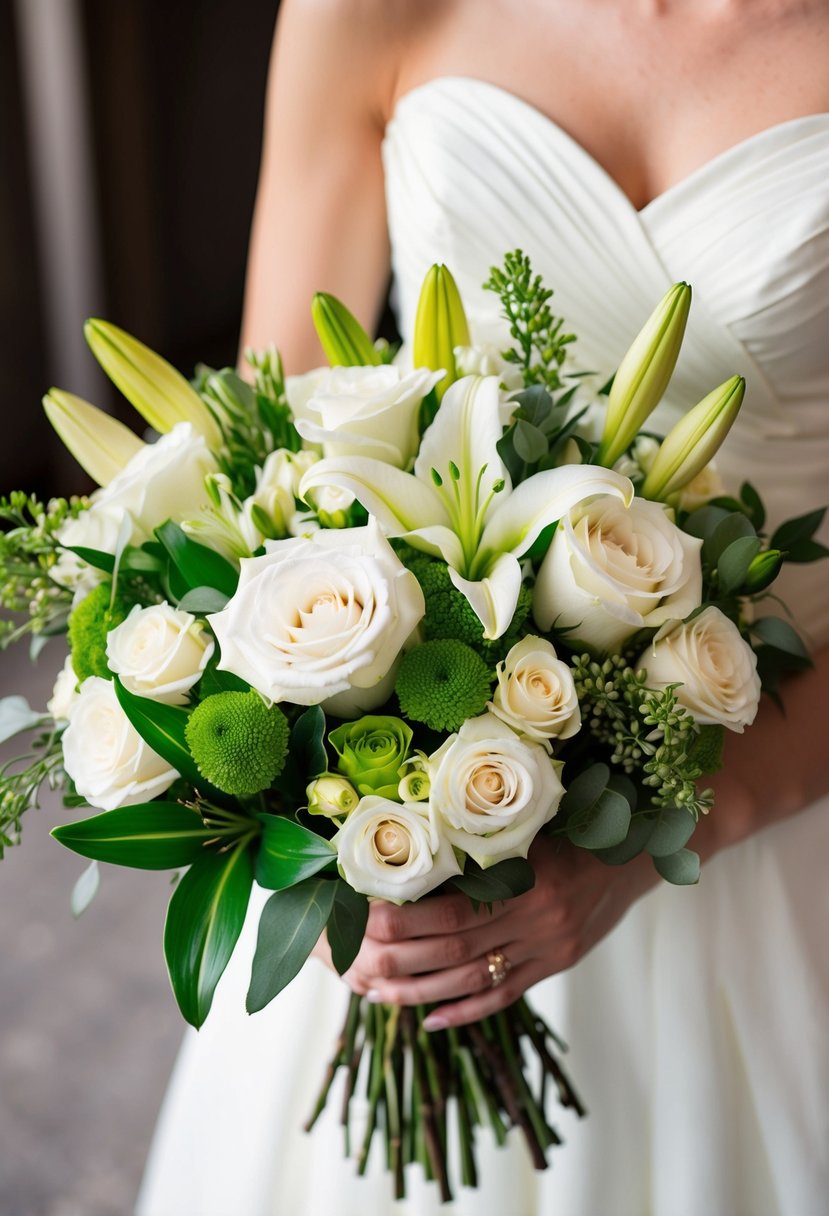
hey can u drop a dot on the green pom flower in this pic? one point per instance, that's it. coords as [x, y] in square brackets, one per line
[442, 684]
[371, 753]
[238, 744]
[89, 624]
[448, 612]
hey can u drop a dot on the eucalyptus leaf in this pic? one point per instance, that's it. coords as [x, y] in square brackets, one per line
[346, 925]
[289, 853]
[197, 565]
[634, 842]
[150, 836]
[702, 522]
[85, 889]
[504, 880]
[290, 924]
[529, 442]
[733, 563]
[204, 920]
[729, 529]
[585, 789]
[681, 868]
[673, 827]
[17, 715]
[203, 599]
[602, 825]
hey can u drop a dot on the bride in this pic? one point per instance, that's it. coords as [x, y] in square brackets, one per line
[623, 144]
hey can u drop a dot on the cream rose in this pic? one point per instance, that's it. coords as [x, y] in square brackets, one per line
[321, 617]
[714, 666]
[611, 570]
[492, 791]
[159, 652]
[104, 754]
[536, 694]
[393, 850]
[65, 693]
[365, 411]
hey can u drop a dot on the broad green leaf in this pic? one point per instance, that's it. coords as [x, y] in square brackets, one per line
[290, 924]
[672, 829]
[703, 522]
[681, 868]
[504, 880]
[197, 565]
[93, 557]
[204, 920]
[602, 825]
[203, 599]
[151, 836]
[530, 443]
[774, 631]
[346, 925]
[732, 528]
[734, 562]
[799, 529]
[806, 551]
[17, 715]
[306, 754]
[289, 853]
[162, 728]
[85, 889]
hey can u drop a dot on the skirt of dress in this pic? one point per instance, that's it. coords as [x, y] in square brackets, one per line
[699, 1032]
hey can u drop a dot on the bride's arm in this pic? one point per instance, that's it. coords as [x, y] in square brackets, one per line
[319, 223]
[435, 951]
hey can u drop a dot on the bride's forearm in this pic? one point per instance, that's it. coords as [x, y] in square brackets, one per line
[775, 769]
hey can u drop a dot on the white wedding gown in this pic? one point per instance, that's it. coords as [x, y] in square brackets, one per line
[700, 1026]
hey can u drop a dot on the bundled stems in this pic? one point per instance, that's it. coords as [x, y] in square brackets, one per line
[416, 1083]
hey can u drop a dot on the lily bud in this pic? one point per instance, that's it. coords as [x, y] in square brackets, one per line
[440, 326]
[763, 570]
[694, 441]
[160, 394]
[101, 444]
[345, 342]
[644, 373]
[331, 796]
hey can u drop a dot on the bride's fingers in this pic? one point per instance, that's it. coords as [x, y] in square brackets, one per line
[489, 1000]
[386, 968]
[470, 977]
[440, 915]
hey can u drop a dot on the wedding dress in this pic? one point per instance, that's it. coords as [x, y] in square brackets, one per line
[700, 1026]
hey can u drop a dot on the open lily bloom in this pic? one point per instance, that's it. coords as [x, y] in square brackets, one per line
[459, 503]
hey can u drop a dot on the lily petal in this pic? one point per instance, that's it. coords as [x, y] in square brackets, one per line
[101, 444]
[400, 502]
[493, 599]
[465, 431]
[439, 541]
[521, 516]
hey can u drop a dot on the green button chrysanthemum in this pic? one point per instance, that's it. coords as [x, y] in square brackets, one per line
[443, 683]
[89, 624]
[238, 743]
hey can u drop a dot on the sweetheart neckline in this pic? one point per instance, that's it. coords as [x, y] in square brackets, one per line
[506, 96]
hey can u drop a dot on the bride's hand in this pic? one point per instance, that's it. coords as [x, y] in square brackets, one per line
[435, 951]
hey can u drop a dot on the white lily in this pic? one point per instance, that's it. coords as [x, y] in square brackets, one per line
[459, 503]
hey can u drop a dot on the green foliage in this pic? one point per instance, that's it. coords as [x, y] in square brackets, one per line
[237, 742]
[151, 836]
[595, 815]
[307, 757]
[504, 880]
[21, 779]
[162, 727]
[540, 345]
[89, 623]
[442, 684]
[539, 429]
[290, 924]
[196, 565]
[289, 853]
[29, 551]
[617, 707]
[346, 925]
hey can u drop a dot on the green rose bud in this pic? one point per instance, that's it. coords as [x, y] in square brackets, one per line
[371, 753]
[331, 796]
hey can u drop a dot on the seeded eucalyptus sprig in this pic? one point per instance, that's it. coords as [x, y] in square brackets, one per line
[540, 343]
[29, 549]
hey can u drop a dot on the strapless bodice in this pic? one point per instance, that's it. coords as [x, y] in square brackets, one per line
[472, 171]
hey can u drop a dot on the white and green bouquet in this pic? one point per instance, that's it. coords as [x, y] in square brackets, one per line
[366, 633]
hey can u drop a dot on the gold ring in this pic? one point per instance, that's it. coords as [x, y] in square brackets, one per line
[498, 966]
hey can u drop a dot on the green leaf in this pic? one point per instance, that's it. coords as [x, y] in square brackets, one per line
[673, 827]
[707, 749]
[289, 927]
[639, 831]
[203, 599]
[289, 853]
[162, 728]
[585, 789]
[93, 557]
[602, 825]
[17, 715]
[774, 631]
[681, 868]
[346, 925]
[204, 920]
[806, 551]
[529, 441]
[85, 889]
[803, 527]
[306, 754]
[197, 565]
[151, 836]
[732, 528]
[753, 503]
[734, 562]
[702, 523]
[504, 880]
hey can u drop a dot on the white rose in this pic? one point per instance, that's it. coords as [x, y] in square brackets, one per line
[611, 570]
[492, 790]
[164, 480]
[536, 694]
[95, 528]
[104, 754]
[65, 692]
[714, 666]
[321, 617]
[366, 411]
[159, 652]
[393, 850]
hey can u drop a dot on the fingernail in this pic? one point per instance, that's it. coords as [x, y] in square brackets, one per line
[435, 1022]
[374, 996]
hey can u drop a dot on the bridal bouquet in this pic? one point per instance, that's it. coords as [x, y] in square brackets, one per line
[366, 633]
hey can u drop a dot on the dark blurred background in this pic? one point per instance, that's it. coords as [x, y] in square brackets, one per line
[129, 148]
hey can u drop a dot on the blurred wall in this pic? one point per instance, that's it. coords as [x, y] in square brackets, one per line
[171, 102]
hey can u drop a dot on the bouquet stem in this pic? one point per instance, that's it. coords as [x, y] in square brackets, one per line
[414, 1081]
